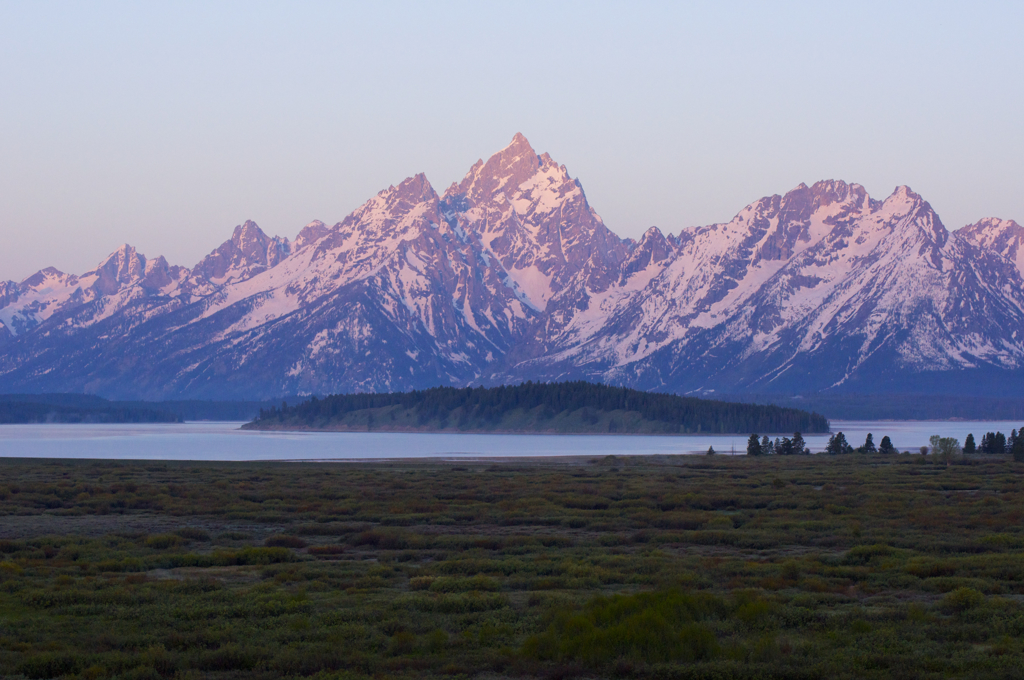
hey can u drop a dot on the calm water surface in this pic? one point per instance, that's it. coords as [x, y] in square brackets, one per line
[224, 441]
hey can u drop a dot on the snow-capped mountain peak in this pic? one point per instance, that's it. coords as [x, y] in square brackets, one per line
[123, 266]
[512, 275]
[1005, 237]
[534, 218]
[503, 172]
[248, 252]
[310, 233]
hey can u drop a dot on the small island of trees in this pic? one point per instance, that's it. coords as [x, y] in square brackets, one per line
[565, 407]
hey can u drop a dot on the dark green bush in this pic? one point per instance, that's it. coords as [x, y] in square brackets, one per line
[163, 541]
[193, 534]
[653, 627]
[284, 541]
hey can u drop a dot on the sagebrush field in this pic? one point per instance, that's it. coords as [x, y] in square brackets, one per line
[673, 567]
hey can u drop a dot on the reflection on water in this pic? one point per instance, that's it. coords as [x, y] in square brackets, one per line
[224, 441]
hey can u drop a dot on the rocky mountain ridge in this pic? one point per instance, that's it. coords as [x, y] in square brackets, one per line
[511, 275]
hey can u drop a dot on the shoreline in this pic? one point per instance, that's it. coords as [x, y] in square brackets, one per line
[547, 433]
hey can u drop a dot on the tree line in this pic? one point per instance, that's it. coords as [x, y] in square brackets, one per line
[997, 442]
[943, 447]
[19, 412]
[784, 446]
[490, 404]
[837, 445]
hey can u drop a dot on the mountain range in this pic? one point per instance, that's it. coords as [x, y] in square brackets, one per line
[510, 275]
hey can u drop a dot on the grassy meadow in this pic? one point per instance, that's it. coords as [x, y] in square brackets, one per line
[672, 567]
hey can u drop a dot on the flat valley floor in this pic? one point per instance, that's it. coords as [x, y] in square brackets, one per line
[862, 566]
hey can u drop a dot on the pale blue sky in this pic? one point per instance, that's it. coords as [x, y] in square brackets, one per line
[166, 124]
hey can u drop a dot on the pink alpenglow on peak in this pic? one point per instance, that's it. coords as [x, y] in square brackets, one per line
[1005, 237]
[248, 252]
[511, 275]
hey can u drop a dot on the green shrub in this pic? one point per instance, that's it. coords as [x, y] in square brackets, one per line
[163, 541]
[284, 541]
[50, 665]
[388, 540]
[326, 550]
[646, 627]
[253, 556]
[961, 600]
[193, 534]
[463, 585]
[863, 554]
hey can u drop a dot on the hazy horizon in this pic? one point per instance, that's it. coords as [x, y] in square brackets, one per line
[164, 127]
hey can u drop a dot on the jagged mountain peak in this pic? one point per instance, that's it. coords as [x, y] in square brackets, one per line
[827, 192]
[519, 144]
[652, 239]
[652, 233]
[413, 189]
[502, 172]
[822, 194]
[652, 249]
[989, 230]
[1005, 237]
[124, 254]
[996, 223]
[123, 266]
[904, 192]
[905, 210]
[392, 206]
[159, 274]
[311, 233]
[247, 233]
[248, 252]
[40, 276]
[904, 196]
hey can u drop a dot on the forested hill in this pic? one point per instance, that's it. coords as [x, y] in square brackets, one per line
[90, 408]
[77, 408]
[568, 407]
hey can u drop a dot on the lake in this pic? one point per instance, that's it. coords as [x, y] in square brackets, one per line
[224, 441]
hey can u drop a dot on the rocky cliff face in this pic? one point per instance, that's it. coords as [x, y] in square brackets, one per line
[511, 275]
[1005, 237]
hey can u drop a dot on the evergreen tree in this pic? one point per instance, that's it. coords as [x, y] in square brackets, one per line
[848, 448]
[1018, 447]
[886, 446]
[869, 445]
[767, 448]
[799, 446]
[989, 443]
[999, 443]
[969, 445]
[711, 450]
[837, 445]
[784, 447]
[754, 446]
